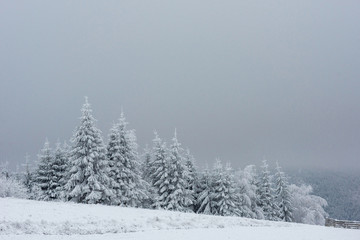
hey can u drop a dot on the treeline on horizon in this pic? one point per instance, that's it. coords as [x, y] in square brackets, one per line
[164, 177]
[340, 189]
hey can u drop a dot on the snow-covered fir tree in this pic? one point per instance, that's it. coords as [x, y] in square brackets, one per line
[204, 193]
[146, 176]
[283, 196]
[146, 164]
[250, 186]
[18, 173]
[88, 180]
[225, 196]
[246, 194]
[44, 176]
[60, 167]
[266, 194]
[28, 177]
[66, 152]
[160, 173]
[190, 177]
[129, 188]
[4, 169]
[180, 197]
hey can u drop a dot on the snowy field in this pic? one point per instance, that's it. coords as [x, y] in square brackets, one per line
[25, 219]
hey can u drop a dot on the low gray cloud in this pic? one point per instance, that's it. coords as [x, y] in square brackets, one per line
[240, 80]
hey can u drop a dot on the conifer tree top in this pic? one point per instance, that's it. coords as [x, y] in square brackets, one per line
[45, 150]
[175, 145]
[122, 120]
[86, 108]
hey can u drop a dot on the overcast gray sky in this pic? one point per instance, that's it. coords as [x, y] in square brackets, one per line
[240, 80]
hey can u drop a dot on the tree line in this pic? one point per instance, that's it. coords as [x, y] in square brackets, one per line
[164, 177]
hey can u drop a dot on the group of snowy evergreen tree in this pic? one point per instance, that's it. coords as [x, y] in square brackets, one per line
[89, 171]
[244, 193]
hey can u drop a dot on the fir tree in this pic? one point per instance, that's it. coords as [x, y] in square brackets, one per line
[179, 197]
[28, 179]
[4, 169]
[146, 175]
[225, 196]
[160, 173]
[247, 189]
[283, 196]
[129, 188]
[60, 167]
[66, 150]
[88, 177]
[204, 194]
[44, 174]
[190, 177]
[266, 194]
[146, 164]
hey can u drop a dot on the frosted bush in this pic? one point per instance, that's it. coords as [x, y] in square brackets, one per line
[12, 188]
[308, 208]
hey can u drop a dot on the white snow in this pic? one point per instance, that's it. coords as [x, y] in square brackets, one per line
[26, 219]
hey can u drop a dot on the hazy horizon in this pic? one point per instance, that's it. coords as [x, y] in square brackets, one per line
[239, 80]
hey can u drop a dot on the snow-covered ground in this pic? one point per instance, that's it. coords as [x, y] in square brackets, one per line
[25, 219]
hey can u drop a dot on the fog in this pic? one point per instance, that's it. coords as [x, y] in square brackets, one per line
[241, 81]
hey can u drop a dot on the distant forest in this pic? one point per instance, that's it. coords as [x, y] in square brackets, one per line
[341, 191]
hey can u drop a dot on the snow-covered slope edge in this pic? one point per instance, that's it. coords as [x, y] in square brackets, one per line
[19, 216]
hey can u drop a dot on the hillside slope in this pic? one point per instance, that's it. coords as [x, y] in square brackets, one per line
[25, 219]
